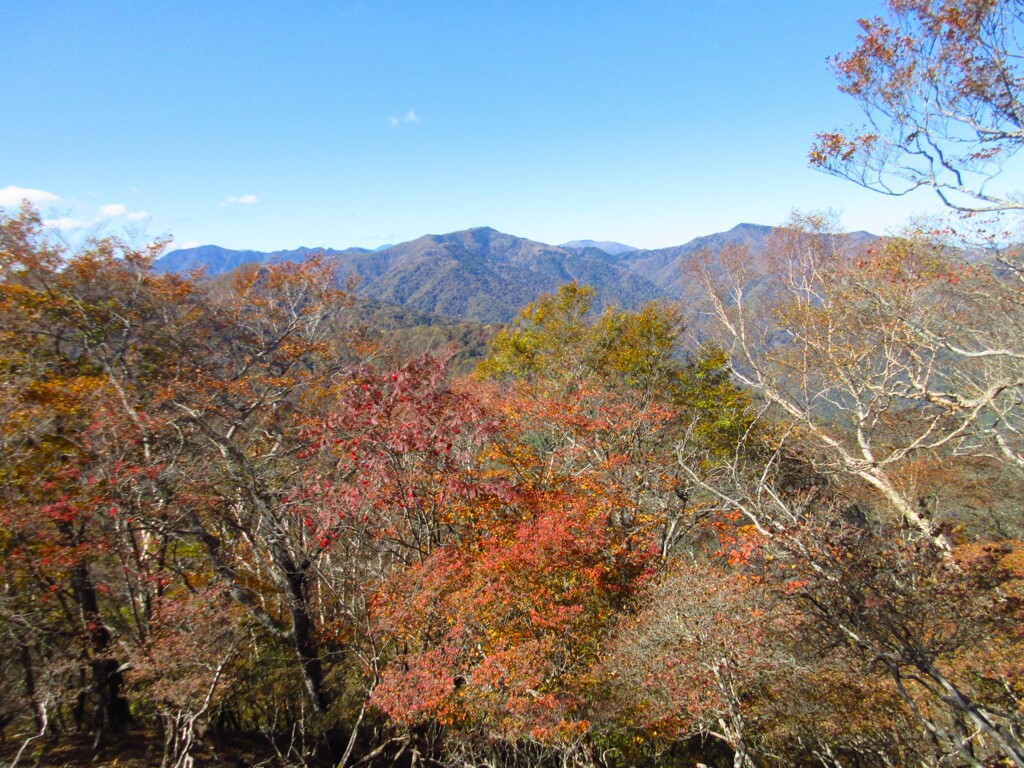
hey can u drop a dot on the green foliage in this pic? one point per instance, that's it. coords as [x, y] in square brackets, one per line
[551, 339]
[559, 341]
[225, 503]
[718, 411]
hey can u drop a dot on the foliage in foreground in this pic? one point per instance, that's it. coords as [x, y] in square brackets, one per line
[224, 513]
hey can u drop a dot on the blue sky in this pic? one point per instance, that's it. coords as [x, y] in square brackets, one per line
[271, 125]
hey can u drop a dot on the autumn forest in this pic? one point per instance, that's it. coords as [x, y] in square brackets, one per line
[778, 524]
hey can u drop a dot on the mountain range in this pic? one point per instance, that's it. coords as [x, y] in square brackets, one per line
[487, 276]
[605, 245]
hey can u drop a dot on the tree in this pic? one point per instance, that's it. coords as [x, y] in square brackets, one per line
[85, 348]
[168, 439]
[616, 393]
[498, 631]
[558, 339]
[889, 372]
[265, 347]
[941, 85]
[194, 648]
[691, 662]
[901, 354]
[948, 639]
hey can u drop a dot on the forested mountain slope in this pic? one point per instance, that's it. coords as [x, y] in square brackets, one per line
[238, 505]
[484, 275]
[476, 274]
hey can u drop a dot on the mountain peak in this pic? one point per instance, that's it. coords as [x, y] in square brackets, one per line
[608, 246]
[747, 227]
[486, 275]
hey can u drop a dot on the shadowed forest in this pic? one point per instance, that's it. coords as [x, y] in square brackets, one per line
[241, 523]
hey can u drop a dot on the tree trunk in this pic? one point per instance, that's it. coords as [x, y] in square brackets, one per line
[112, 713]
[304, 638]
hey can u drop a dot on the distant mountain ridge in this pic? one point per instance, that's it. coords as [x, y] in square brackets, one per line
[608, 246]
[487, 276]
[216, 260]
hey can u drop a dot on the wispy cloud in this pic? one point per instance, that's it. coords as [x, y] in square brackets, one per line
[118, 210]
[408, 117]
[112, 210]
[64, 223]
[241, 200]
[12, 196]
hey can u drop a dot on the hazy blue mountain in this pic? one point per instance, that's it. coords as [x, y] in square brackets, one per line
[608, 246]
[665, 266]
[668, 268]
[484, 275]
[216, 260]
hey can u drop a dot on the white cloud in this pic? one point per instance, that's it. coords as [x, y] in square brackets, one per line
[65, 222]
[188, 244]
[117, 210]
[12, 196]
[112, 210]
[241, 200]
[408, 117]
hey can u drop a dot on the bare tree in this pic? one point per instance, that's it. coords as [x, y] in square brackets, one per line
[877, 359]
[940, 82]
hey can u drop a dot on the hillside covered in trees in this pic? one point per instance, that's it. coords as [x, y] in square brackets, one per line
[483, 275]
[230, 509]
[777, 524]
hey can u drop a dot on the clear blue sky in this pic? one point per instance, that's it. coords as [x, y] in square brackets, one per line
[271, 125]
